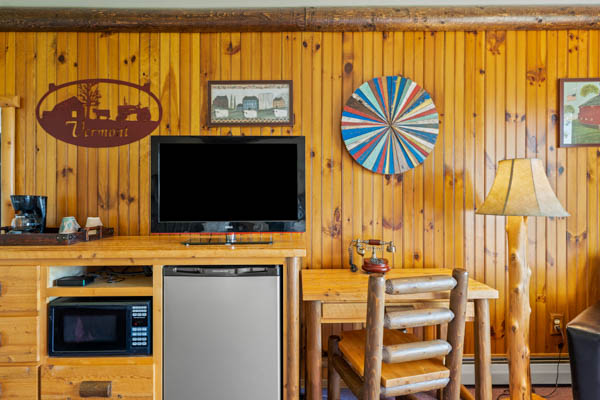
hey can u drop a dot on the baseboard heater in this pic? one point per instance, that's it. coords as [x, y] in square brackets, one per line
[543, 371]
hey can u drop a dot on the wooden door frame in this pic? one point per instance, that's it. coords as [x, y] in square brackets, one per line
[8, 106]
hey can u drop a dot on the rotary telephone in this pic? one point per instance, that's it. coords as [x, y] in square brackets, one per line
[372, 264]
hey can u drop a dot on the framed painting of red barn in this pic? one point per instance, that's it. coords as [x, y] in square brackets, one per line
[579, 112]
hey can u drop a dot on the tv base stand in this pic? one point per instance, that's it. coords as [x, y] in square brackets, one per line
[228, 240]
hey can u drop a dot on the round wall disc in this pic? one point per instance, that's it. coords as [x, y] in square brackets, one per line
[390, 125]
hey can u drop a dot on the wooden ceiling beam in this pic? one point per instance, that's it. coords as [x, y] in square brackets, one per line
[325, 19]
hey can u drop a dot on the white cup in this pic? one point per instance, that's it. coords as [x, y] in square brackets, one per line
[93, 222]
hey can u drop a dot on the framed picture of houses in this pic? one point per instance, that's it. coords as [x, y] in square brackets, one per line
[247, 103]
[579, 112]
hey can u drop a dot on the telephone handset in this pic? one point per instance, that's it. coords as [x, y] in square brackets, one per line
[373, 264]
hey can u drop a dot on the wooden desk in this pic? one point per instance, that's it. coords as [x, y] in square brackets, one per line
[340, 296]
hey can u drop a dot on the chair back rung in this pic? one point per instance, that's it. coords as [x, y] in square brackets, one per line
[414, 388]
[399, 353]
[422, 284]
[415, 318]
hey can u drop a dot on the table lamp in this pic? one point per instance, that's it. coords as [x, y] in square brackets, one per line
[520, 189]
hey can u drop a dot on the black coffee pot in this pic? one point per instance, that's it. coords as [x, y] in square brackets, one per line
[31, 212]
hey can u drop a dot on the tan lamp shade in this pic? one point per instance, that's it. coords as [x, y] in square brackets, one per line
[521, 188]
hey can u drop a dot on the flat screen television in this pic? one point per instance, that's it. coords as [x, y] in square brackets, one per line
[213, 184]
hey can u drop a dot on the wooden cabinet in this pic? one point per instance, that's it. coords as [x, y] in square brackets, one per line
[19, 383]
[18, 339]
[26, 370]
[98, 381]
[18, 289]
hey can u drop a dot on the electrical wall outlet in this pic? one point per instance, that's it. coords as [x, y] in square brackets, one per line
[557, 323]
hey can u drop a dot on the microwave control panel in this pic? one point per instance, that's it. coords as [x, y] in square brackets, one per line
[139, 326]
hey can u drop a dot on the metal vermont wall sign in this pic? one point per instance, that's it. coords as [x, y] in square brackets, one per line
[90, 118]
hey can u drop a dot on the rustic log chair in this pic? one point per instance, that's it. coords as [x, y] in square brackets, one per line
[410, 366]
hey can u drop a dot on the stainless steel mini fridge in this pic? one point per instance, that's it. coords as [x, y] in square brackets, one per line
[222, 333]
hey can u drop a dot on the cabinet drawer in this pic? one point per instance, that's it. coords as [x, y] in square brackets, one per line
[101, 381]
[18, 339]
[18, 383]
[344, 312]
[18, 289]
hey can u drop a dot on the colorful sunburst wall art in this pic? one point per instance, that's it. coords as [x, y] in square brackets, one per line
[390, 125]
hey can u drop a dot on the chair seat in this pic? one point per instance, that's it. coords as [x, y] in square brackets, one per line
[352, 347]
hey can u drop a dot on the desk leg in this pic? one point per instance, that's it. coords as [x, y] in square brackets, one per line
[314, 351]
[483, 351]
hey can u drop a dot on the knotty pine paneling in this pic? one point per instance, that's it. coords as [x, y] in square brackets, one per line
[497, 97]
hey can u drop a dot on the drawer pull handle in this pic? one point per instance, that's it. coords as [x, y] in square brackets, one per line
[95, 389]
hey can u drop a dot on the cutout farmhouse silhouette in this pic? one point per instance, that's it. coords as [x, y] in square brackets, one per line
[86, 120]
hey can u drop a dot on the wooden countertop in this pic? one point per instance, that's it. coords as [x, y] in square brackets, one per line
[146, 250]
[342, 285]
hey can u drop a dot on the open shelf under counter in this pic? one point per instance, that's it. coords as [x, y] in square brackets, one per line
[129, 360]
[129, 286]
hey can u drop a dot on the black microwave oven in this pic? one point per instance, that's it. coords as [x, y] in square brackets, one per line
[100, 326]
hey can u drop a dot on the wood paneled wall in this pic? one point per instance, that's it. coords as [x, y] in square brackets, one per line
[497, 97]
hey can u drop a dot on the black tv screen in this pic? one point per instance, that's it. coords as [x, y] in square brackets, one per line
[209, 184]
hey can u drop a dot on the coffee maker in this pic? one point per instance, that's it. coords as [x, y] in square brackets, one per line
[30, 214]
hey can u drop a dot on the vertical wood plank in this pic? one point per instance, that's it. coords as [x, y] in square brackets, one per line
[408, 215]
[397, 180]
[41, 86]
[92, 153]
[82, 152]
[438, 150]
[572, 191]
[112, 167]
[71, 165]
[134, 148]
[388, 180]
[501, 138]
[103, 193]
[418, 175]
[61, 147]
[542, 320]
[146, 55]
[28, 106]
[429, 165]
[561, 190]
[551, 169]
[124, 195]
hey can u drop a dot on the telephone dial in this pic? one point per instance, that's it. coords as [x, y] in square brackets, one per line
[373, 264]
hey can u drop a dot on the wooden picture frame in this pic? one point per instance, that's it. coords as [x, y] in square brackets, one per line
[250, 103]
[579, 118]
